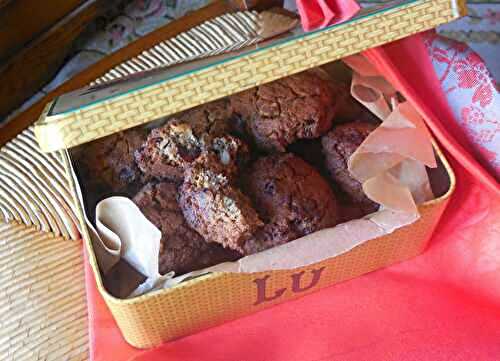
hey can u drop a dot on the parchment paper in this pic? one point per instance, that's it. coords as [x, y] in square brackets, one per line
[391, 162]
[304, 251]
[125, 230]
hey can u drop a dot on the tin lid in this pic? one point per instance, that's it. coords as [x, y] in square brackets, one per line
[94, 112]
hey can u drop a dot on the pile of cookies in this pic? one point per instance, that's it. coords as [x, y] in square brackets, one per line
[239, 175]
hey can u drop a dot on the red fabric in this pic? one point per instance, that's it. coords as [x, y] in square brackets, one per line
[442, 305]
[316, 14]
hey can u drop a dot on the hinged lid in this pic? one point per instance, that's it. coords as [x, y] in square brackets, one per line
[91, 113]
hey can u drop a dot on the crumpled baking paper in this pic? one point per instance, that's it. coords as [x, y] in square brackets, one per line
[124, 233]
[137, 242]
[394, 156]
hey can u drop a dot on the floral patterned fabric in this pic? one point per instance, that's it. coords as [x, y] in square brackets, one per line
[124, 22]
[136, 19]
[481, 31]
[472, 95]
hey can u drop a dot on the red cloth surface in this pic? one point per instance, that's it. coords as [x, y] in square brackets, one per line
[442, 305]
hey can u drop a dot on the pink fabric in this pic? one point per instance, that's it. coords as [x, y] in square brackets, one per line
[316, 14]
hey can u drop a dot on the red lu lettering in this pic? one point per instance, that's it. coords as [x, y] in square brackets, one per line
[296, 285]
[261, 291]
[296, 288]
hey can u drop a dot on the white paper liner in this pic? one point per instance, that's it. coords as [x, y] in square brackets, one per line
[121, 223]
[303, 251]
[124, 230]
[324, 244]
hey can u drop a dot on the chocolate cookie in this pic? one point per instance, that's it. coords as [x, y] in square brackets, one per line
[109, 162]
[338, 146]
[216, 209]
[347, 108]
[292, 199]
[182, 249]
[170, 149]
[278, 113]
[212, 119]
[311, 151]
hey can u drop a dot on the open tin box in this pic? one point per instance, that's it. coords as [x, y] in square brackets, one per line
[216, 297]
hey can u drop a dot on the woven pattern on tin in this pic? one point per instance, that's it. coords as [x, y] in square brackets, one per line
[43, 311]
[208, 84]
[34, 189]
[224, 33]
